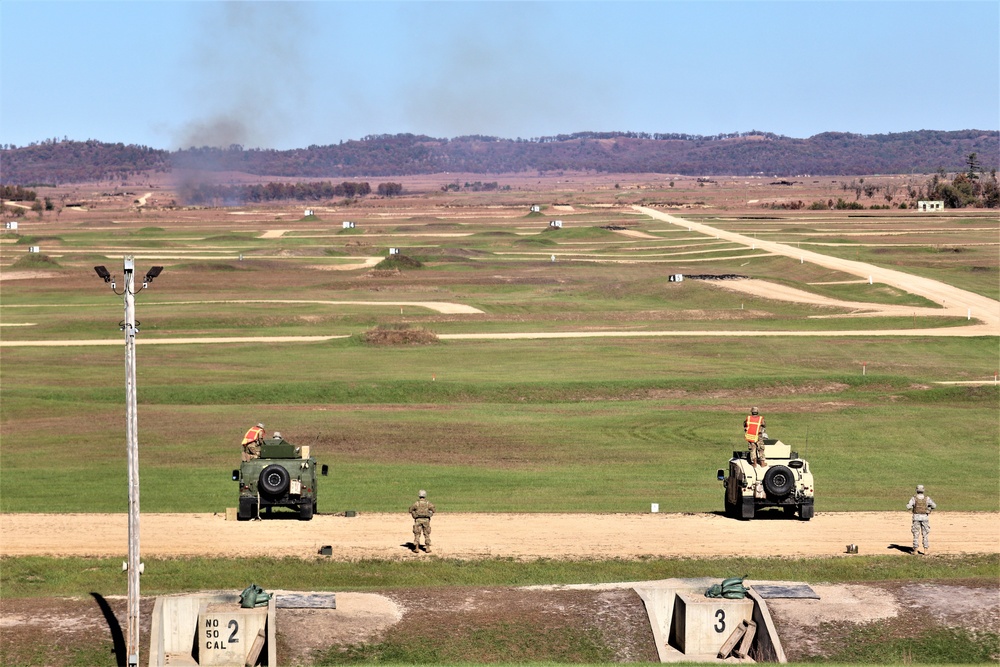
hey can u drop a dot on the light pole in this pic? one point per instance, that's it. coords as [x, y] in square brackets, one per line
[131, 327]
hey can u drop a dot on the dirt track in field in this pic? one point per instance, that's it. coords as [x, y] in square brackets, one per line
[519, 536]
[953, 301]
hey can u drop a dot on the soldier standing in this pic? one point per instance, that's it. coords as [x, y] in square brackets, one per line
[422, 511]
[753, 430]
[251, 442]
[921, 506]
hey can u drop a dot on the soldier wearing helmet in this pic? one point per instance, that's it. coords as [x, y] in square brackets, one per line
[422, 511]
[921, 506]
[754, 431]
[251, 442]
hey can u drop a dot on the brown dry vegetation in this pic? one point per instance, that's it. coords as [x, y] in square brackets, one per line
[386, 334]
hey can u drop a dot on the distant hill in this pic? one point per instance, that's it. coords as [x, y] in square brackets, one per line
[830, 153]
[56, 162]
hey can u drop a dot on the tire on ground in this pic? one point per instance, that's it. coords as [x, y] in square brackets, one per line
[273, 480]
[778, 481]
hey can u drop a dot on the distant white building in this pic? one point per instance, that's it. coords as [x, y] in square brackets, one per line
[930, 205]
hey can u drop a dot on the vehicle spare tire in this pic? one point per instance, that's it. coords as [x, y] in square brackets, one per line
[273, 480]
[778, 481]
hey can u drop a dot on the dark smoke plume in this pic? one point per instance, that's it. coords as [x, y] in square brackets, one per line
[247, 74]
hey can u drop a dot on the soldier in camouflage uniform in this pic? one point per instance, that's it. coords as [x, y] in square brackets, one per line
[422, 511]
[251, 442]
[921, 506]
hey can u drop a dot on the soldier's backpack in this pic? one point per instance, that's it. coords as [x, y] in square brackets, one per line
[732, 589]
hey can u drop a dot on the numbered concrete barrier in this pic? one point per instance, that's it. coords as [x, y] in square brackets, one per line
[225, 635]
[210, 629]
[701, 624]
[689, 627]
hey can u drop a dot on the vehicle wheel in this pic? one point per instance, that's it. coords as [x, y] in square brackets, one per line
[306, 511]
[806, 511]
[747, 509]
[778, 481]
[273, 480]
[789, 510]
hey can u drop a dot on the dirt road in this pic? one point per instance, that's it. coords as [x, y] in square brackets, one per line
[954, 301]
[474, 536]
[779, 292]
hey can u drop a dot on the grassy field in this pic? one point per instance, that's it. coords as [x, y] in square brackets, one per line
[602, 424]
[59, 577]
[501, 426]
[564, 425]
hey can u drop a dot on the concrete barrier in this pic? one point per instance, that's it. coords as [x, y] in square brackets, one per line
[209, 629]
[226, 635]
[689, 627]
[701, 625]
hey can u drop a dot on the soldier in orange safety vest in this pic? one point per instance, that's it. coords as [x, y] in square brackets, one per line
[753, 429]
[251, 442]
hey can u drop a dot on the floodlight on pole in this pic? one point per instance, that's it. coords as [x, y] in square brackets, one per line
[130, 326]
[152, 273]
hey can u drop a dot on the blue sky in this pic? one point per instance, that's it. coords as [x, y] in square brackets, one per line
[291, 74]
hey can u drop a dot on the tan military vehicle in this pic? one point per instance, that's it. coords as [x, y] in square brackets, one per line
[785, 482]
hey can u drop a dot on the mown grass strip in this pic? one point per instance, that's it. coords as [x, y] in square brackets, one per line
[594, 456]
[263, 391]
[35, 576]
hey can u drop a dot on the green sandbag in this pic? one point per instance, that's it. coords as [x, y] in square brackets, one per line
[714, 591]
[731, 588]
[254, 596]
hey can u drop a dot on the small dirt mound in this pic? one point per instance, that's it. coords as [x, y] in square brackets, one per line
[398, 334]
[398, 262]
[35, 261]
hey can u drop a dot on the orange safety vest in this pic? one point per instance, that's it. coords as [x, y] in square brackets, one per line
[753, 424]
[255, 433]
